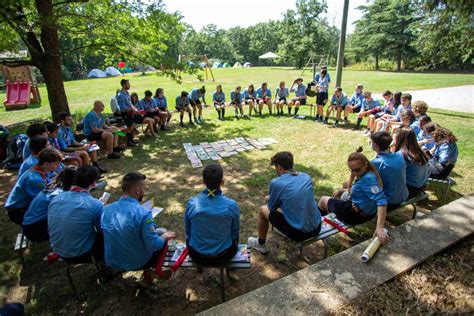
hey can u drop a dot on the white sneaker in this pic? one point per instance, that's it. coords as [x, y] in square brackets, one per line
[253, 243]
[367, 132]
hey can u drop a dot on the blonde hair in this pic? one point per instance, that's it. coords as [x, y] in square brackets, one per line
[359, 156]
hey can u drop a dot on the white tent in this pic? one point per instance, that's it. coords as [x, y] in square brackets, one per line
[96, 73]
[268, 55]
[247, 65]
[237, 65]
[112, 71]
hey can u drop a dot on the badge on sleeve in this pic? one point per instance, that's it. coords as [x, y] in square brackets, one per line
[375, 189]
[149, 221]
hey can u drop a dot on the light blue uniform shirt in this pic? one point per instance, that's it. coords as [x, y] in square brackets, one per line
[300, 91]
[367, 194]
[73, 218]
[392, 170]
[446, 153]
[341, 101]
[38, 209]
[26, 188]
[92, 120]
[181, 103]
[218, 97]
[282, 93]
[27, 164]
[422, 135]
[294, 195]
[235, 96]
[195, 95]
[399, 110]
[161, 103]
[212, 223]
[370, 105]
[356, 99]
[146, 105]
[124, 101]
[415, 126]
[316, 78]
[267, 93]
[66, 136]
[130, 237]
[247, 95]
[26, 150]
[323, 84]
[417, 175]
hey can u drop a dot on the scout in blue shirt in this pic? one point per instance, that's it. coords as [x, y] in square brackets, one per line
[369, 106]
[218, 97]
[35, 129]
[338, 103]
[362, 198]
[445, 154]
[292, 192]
[74, 220]
[264, 96]
[417, 169]
[36, 144]
[318, 76]
[395, 121]
[236, 101]
[377, 118]
[300, 93]
[68, 159]
[355, 102]
[409, 120]
[392, 169]
[424, 138]
[128, 110]
[162, 105]
[35, 221]
[30, 184]
[66, 137]
[195, 97]
[96, 130]
[131, 239]
[183, 105]
[249, 96]
[322, 96]
[281, 95]
[212, 221]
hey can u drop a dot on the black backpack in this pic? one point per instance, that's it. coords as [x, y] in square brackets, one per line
[310, 92]
[14, 157]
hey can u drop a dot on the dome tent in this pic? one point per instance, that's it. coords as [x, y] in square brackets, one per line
[96, 73]
[225, 65]
[237, 65]
[247, 65]
[112, 71]
[216, 65]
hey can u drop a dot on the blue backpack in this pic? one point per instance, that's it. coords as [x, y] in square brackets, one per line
[15, 152]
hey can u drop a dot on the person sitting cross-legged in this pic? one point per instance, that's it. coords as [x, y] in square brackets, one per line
[30, 184]
[35, 221]
[74, 220]
[366, 197]
[131, 238]
[212, 221]
[292, 192]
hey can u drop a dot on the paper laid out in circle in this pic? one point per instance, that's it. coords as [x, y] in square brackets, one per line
[217, 150]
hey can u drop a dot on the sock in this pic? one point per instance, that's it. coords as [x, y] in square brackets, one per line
[181, 118]
[129, 137]
[261, 241]
[222, 113]
[296, 110]
[289, 110]
[337, 121]
[345, 118]
[317, 116]
[236, 111]
[190, 117]
[359, 120]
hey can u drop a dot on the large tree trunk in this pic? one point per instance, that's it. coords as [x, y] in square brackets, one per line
[399, 61]
[377, 62]
[50, 64]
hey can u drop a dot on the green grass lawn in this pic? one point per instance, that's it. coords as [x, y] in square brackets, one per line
[319, 150]
[82, 93]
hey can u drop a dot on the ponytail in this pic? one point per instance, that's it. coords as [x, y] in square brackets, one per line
[359, 156]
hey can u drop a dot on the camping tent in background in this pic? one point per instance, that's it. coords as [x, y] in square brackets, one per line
[247, 65]
[216, 65]
[237, 65]
[96, 73]
[225, 65]
[112, 71]
[269, 55]
[202, 64]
